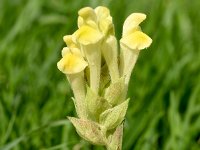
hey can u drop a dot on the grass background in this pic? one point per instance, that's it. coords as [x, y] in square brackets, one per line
[164, 111]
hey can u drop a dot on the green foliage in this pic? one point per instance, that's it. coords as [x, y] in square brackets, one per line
[164, 106]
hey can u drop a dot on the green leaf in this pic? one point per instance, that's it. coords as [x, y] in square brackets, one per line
[88, 130]
[111, 118]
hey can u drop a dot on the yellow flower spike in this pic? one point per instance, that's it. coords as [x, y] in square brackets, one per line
[132, 22]
[73, 65]
[104, 106]
[132, 41]
[88, 17]
[90, 40]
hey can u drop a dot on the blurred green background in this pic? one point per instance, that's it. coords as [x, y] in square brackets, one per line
[164, 111]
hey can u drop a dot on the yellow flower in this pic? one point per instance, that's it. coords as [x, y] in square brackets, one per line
[133, 40]
[73, 64]
[132, 36]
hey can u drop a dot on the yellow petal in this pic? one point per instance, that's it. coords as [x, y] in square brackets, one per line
[102, 12]
[80, 21]
[68, 39]
[87, 13]
[87, 22]
[88, 17]
[71, 63]
[104, 20]
[67, 50]
[106, 27]
[132, 22]
[136, 40]
[87, 35]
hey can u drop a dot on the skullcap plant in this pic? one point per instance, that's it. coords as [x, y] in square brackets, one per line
[99, 73]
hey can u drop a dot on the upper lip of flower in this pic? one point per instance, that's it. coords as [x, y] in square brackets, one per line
[132, 22]
[71, 43]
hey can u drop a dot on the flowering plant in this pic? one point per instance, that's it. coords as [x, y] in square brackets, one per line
[99, 74]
